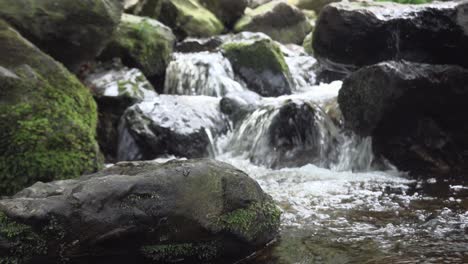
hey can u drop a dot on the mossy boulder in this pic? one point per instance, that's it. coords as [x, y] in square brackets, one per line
[71, 31]
[47, 117]
[261, 64]
[190, 18]
[195, 211]
[279, 20]
[227, 11]
[142, 43]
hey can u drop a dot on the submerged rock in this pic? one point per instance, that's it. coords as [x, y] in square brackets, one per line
[351, 35]
[184, 126]
[200, 74]
[115, 88]
[142, 43]
[260, 63]
[47, 117]
[193, 211]
[190, 18]
[71, 31]
[227, 10]
[279, 20]
[416, 114]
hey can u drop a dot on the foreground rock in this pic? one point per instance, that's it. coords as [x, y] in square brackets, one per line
[279, 20]
[47, 118]
[184, 126]
[416, 114]
[351, 35]
[190, 18]
[115, 88]
[182, 211]
[59, 27]
[142, 43]
[260, 63]
[227, 10]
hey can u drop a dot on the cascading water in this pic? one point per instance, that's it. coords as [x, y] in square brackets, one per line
[337, 207]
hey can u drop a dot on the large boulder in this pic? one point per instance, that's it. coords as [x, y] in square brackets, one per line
[47, 117]
[279, 20]
[194, 211]
[184, 126]
[142, 43]
[351, 35]
[190, 18]
[416, 114]
[227, 10]
[71, 31]
[201, 73]
[115, 88]
[260, 63]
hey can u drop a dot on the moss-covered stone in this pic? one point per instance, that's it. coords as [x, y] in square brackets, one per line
[279, 20]
[257, 61]
[70, 31]
[142, 43]
[190, 18]
[47, 118]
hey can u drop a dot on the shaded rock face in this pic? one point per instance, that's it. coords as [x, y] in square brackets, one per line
[193, 211]
[261, 64]
[142, 43]
[415, 113]
[47, 117]
[227, 10]
[351, 35]
[188, 18]
[115, 88]
[279, 20]
[183, 126]
[71, 31]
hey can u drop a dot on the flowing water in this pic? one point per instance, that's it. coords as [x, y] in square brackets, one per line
[342, 207]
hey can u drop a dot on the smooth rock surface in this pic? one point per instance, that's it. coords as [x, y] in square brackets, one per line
[194, 211]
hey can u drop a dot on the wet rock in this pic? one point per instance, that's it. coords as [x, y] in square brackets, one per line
[115, 88]
[227, 10]
[260, 63]
[279, 20]
[184, 126]
[71, 31]
[47, 117]
[142, 43]
[201, 74]
[237, 105]
[199, 45]
[351, 35]
[287, 133]
[190, 18]
[194, 211]
[415, 113]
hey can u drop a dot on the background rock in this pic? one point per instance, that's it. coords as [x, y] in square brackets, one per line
[227, 11]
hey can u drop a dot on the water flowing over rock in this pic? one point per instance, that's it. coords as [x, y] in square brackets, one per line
[201, 74]
[142, 43]
[238, 105]
[351, 35]
[301, 65]
[260, 63]
[414, 112]
[184, 126]
[115, 88]
[71, 31]
[277, 19]
[186, 211]
[47, 117]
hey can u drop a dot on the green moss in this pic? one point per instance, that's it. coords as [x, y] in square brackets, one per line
[47, 119]
[259, 55]
[169, 252]
[252, 221]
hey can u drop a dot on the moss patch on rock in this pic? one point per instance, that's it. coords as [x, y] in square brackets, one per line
[142, 43]
[47, 118]
[190, 18]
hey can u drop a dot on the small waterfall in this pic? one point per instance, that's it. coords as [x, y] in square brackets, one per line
[128, 148]
[301, 65]
[201, 73]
